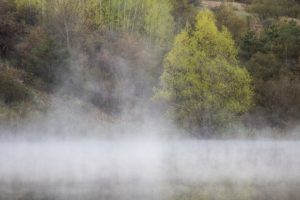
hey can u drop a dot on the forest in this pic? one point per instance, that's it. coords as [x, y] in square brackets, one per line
[205, 65]
[149, 99]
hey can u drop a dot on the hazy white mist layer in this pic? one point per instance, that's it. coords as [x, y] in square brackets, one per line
[148, 161]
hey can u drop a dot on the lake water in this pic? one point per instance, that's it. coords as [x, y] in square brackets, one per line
[149, 169]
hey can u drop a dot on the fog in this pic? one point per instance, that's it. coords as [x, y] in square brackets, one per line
[145, 168]
[76, 151]
[149, 160]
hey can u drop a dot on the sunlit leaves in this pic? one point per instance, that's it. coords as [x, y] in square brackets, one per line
[202, 80]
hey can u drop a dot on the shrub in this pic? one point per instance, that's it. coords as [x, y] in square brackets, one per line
[12, 90]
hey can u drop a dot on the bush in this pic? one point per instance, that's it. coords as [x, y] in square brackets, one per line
[42, 58]
[264, 66]
[280, 99]
[12, 90]
[226, 16]
[10, 29]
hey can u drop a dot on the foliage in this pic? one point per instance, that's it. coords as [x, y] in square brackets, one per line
[150, 17]
[10, 28]
[249, 45]
[226, 16]
[271, 57]
[42, 58]
[279, 38]
[11, 89]
[283, 40]
[184, 11]
[264, 66]
[122, 72]
[117, 49]
[202, 79]
[267, 8]
[279, 99]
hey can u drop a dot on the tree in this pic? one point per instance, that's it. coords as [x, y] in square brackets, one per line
[279, 38]
[10, 28]
[12, 89]
[249, 45]
[267, 8]
[278, 100]
[264, 66]
[184, 11]
[271, 58]
[202, 81]
[226, 16]
[42, 58]
[158, 22]
[288, 41]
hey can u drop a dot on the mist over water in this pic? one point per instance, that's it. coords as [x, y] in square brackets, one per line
[77, 151]
[145, 168]
[91, 128]
[72, 153]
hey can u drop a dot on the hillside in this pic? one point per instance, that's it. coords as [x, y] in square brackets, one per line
[122, 60]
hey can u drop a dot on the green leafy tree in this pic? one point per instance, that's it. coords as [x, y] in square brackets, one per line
[279, 38]
[151, 18]
[202, 81]
[249, 44]
[287, 41]
[271, 58]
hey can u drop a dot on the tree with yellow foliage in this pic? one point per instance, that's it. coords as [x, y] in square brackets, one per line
[202, 80]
